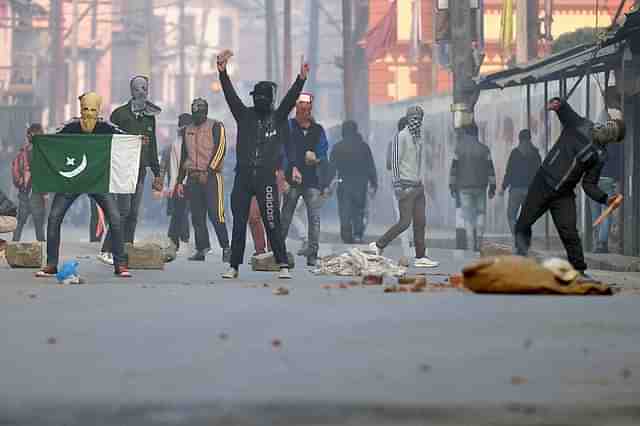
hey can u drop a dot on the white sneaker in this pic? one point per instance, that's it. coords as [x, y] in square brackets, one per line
[284, 274]
[231, 274]
[425, 262]
[373, 247]
[106, 258]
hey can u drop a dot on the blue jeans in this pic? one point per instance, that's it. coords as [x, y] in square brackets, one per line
[601, 233]
[474, 208]
[129, 206]
[313, 203]
[59, 207]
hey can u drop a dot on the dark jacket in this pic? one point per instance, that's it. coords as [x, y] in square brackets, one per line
[102, 128]
[260, 136]
[575, 157]
[352, 160]
[522, 166]
[139, 124]
[300, 141]
[472, 166]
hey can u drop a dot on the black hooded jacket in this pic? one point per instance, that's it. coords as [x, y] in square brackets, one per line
[352, 160]
[575, 157]
[260, 136]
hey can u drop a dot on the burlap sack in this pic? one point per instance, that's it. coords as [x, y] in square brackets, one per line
[7, 224]
[519, 275]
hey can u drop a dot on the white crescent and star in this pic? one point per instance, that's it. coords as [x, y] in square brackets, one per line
[75, 172]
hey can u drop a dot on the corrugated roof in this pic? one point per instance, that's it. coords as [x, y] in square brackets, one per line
[569, 63]
[566, 64]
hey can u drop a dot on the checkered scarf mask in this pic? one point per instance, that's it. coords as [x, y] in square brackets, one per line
[414, 124]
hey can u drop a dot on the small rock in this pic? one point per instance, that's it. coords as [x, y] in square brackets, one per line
[276, 343]
[528, 343]
[280, 291]
[585, 351]
[425, 368]
[211, 282]
[518, 380]
[32, 296]
[52, 341]
[403, 261]
[625, 373]
[265, 285]
[223, 336]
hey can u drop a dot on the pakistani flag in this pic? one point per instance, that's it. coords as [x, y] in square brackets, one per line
[95, 164]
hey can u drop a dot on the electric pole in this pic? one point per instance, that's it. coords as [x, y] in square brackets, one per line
[286, 78]
[181, 95]
[465, 94]
[527, 34]
[56, 81]
[314, 45]
[268, 16]
[93, 66]
[347, 59]
[361, 67]
[73, 65]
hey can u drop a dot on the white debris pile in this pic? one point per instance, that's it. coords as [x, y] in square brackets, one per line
[358, 263]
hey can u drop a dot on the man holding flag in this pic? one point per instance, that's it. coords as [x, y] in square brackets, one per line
[75, 163]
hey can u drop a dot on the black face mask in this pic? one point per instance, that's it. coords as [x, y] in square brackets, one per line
[263, 103]
[199, 112]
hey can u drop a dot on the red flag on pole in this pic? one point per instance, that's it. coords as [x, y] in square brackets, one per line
[383, 36]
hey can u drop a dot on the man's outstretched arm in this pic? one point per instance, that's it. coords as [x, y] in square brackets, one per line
[236, 105]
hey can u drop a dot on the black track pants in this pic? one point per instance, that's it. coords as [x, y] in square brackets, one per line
[540, 199]
[262, 185]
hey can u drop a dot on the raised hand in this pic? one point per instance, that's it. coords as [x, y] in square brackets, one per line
[222, 59]
[304, 69]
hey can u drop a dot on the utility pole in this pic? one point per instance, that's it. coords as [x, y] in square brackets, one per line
[181, 98]
[93, 66]
[314, 45]
[347, 59]
[527, 34]
[73, 65]
[56, 82]
[361, 67]
[465, 93]
[286, 77]
[268, 16]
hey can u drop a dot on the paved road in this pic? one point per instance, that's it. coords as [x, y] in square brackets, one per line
[184, 347]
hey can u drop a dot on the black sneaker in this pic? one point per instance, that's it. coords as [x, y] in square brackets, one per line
[198, 256]
[312, 261]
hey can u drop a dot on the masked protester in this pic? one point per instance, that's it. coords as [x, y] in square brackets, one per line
[203, 150]
[29, 204]
[307, 149]
[471, 173]
[351, 158]
[137, 117]
[89, 123]
[177, 207]
[578, 155]
[408, 155]
[524, 161]
[262, 130]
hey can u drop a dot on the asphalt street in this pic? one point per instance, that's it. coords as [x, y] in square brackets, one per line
[182, 346]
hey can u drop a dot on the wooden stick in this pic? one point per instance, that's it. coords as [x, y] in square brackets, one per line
[612, 207]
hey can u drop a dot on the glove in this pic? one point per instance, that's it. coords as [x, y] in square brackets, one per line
[492, 191]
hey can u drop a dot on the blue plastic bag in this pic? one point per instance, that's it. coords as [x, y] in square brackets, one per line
[69, 270]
